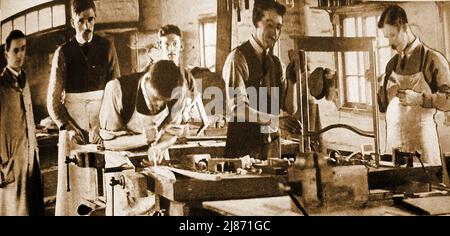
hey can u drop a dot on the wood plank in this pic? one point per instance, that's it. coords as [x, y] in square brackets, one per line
[195, 175]
[333, 44]
[430, 205]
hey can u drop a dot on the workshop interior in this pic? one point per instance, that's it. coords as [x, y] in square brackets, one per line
[358, 123]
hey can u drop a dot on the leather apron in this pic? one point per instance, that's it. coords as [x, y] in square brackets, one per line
[84, 109]
[412, 128]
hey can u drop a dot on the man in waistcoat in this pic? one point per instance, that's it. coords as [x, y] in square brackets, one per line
[80, 70]
[256, 89]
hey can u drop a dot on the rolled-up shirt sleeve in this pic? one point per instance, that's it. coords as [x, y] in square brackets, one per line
[437, 69]
[235, 71]
[114, 68]
[55, 98]
[109, 116]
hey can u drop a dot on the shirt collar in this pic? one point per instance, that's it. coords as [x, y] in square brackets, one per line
[14, 72]
[411, 47]
[144, 91]
[259, 50]
[87, 42]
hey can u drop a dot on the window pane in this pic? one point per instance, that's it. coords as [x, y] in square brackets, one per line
[210, 33]
[349, 27]
[371, 26]
[19, 23]
[6, 29]
[360, 27]
[59, 15]
[362, 64]
[45, 18]
[210, 56]
[32, 22]
[352, 89]
[351, 63]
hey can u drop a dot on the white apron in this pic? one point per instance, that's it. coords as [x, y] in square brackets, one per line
[412, 128]
[84, 109]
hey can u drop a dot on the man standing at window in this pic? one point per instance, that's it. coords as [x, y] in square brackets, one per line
[253, 74]
[80, 70]
[417, 84]
[20, 177]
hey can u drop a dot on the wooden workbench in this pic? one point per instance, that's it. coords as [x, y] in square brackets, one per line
[179, 195]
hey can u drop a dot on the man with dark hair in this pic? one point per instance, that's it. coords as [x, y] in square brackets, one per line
[250, 67]
[80, 70]
[416, 85]
[171, 45]
[132, 116]
[20, 177]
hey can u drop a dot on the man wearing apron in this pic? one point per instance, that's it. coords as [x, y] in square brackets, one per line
[417, 84]
[254, 81]
[80, 70]
[132, 116]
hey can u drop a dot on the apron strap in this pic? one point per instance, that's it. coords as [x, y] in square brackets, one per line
[424, 57]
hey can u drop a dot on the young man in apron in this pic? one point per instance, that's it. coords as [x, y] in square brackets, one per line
[80, 70]
[256, 89]
[20, 176]
[417, 84]
[132, 116]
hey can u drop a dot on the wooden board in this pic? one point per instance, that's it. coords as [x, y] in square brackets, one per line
[195, 175]
[230, 186]
[429, 205]
[332, 44]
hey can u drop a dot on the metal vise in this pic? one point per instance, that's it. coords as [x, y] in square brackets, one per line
[320, 187]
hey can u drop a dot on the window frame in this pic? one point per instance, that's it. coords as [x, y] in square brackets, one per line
[338, 25]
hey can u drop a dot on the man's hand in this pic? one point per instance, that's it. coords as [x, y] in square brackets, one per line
[80, 136]
[410, 98]
[155, 154]
[291, 125]
[94, 136]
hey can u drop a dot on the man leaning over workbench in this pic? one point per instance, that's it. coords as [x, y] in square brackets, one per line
[132, 115]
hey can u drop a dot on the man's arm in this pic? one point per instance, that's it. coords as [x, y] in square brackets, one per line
[113, 61]
[112, 129]
[55, 103]
[235, 71]
[437, 68]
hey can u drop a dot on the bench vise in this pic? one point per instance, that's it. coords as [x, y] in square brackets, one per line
[320, 187]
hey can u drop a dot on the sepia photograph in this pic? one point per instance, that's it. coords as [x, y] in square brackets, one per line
[219, 108]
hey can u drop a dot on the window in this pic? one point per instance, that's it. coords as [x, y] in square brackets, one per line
[32, 21]
[208, 28]
[354, 65]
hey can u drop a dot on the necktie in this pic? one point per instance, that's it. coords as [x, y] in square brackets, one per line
[403, 61]
[21, 80]
[265, 63]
